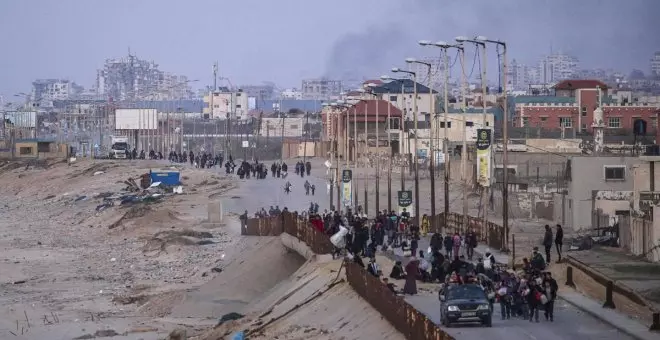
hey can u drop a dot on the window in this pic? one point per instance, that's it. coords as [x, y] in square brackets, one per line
[487, 123]
[543, 119]
[442, 125]
[654, 122]
[25, 150]
[238, 106]
[615, 172]
[216, 106]
[565, 122]
[238, 94]
[583, 111]
[393, 98]
[469, 123]
[584, 128]
[525, 121]
[293, 126]
[614, 122]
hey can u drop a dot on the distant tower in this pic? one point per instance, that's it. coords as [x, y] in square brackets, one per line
[598, 125]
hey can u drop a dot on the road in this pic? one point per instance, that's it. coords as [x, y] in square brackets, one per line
[569, 323]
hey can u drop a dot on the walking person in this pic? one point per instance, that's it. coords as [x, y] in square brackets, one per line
[559, 241]
[550, 288]
[534, 300]
[547, 243]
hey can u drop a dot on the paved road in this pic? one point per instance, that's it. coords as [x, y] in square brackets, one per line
[570, 323]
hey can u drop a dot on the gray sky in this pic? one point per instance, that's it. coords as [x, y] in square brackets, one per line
[286, 40]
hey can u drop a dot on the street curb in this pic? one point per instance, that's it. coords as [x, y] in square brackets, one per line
[601, 318]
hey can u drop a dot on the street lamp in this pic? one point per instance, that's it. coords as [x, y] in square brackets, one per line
[414, 76]
[484, 85]
[389, 140]
[445, 46]
[372, 87]
[429, 67]
[505, 137]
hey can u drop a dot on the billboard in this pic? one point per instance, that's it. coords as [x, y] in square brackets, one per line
[136, 119]
[22, 119]
[484, 149]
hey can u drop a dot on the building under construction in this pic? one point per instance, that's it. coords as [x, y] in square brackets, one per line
[131, 78]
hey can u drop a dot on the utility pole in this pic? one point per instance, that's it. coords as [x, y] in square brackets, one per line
[355, 153]
[389, 168]
[446, 132]
[505, 159]
[365, 183]
[377, 157]
[464, 137]
[432, 144]
[306, 136]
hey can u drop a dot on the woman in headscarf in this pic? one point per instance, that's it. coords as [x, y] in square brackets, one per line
[426, 225]
[412, 270]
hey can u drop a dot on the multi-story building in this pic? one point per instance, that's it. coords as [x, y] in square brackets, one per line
[518, 76]
[573, 105]
[291, 94]
[321, 89]
[655, 64]
[132, 78]
[225, 103]
[54, 89]
[259, 92]
[400, 94]
[556, 67]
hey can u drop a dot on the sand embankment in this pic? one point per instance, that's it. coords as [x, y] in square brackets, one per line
[315, 302]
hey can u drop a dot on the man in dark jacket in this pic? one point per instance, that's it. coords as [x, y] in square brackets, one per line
[559, 241]
[547, 242]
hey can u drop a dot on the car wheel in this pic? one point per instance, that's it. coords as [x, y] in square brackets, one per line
[488, 322]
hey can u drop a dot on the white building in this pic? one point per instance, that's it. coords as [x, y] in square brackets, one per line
[54, 89]
[276, 127]
[655, 63]
[519, 76]
[400, 94]
[321, 88]
[226, 103]
[555, 68]
[292, 93]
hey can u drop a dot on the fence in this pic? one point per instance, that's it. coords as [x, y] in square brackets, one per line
[636, 237]
[293, 225]
[487, 232]
[404, 317]
[610, 287]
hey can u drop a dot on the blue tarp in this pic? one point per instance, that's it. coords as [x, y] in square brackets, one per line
[239, 336]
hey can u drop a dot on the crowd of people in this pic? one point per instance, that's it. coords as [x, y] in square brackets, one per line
[449, 260]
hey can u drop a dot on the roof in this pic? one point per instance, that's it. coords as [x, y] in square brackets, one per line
[543, 100]
[574, 84]
[310, 105]
[369, 106]
[35, 140]
[372, 81]
[395, 87]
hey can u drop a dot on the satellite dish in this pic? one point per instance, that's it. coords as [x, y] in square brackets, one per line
[327, 164]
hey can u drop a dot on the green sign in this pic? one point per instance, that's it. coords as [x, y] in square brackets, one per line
[346, 176]
[405, 198]
[483, 139]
